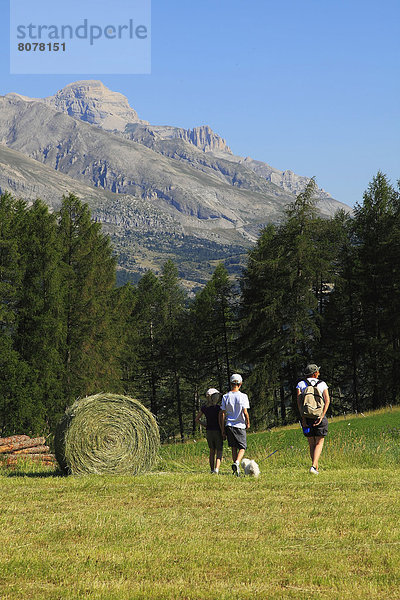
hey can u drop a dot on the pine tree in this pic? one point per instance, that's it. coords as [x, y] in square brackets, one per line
[18, 393]
[39, 332]
[280, 301]
[263, 294]
[125, 302]
[209, 328]
[222, 320]
[172, 343]
[342, 338]
[143, 352]
[90, 353]
[11, 271]
[376, 227]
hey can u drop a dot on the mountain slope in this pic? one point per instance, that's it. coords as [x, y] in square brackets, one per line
[196, 199]
[161, 192]
[143, 235]
[130, 221]
[93, 98]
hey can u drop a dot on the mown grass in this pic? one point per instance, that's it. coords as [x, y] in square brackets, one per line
[370, 440]
[180, 533]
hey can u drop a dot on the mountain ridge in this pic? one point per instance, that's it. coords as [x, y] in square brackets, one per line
[160, 191]
[91, 101]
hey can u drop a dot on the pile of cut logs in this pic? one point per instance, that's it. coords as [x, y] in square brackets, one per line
[16, 448]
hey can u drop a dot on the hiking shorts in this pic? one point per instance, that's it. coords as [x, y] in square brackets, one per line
[236, 437]
[320, 430]
[214, 439]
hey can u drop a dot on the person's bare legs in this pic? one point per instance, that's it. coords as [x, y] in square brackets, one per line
[218, 460]
[240, 455]
[237, 454]
[319, 442]
[316, 444]
[311, 444]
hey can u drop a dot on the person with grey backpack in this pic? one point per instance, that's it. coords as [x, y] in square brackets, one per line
[313, 402]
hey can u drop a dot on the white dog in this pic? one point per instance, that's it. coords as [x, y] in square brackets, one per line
[250, 467]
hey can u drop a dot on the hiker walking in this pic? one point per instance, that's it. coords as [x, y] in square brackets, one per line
[313, 401]
[234, 420]
[215, 441]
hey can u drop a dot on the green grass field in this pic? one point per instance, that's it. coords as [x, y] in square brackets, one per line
[180, 533]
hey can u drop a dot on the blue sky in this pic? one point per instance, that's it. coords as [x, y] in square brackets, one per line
[307, 85]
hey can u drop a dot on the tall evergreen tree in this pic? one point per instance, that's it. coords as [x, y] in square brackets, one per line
[88, 273]
[143, 352]
[39, 331]
[173, 340]
[376, 227]
[209, 328]
[263, 297]
[12, 213]
[222, 320]
[125, 301]
[18, 393]
[342, 338]
[280, 300]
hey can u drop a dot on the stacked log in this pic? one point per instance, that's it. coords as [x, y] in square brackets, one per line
[17, 449]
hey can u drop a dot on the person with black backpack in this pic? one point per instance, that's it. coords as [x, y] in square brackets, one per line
[313, 401]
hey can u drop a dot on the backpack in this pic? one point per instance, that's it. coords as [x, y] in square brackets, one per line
[312, 400]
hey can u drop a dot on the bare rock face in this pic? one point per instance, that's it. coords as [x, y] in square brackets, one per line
[93, 102]
[158, 190]
[287, 180]
[197, 198]
[204, 137]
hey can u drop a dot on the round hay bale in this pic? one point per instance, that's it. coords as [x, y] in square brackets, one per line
[107, 433]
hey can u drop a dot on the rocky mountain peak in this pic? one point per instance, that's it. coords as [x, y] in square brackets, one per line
[202, 137]
[205, 138]
[93, 102]
[159, 190]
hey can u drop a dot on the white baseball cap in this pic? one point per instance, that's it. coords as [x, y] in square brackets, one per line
[236, 378]
[211, 392]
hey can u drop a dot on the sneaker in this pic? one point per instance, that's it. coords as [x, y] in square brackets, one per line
[215, 472]
[235, 469]
[314, 471]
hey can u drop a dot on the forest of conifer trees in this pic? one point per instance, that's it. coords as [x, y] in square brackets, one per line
[313, 289]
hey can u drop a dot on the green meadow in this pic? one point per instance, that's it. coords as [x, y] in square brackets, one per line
[181, 533]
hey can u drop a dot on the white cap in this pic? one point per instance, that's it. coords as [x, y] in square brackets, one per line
[236, 378]
[211, 392]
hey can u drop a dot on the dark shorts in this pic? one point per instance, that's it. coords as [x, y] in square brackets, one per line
[214, 440]
[236, 437]
[320, 430]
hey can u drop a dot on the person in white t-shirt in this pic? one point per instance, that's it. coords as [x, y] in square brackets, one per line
[234, 420]
[315, 430]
